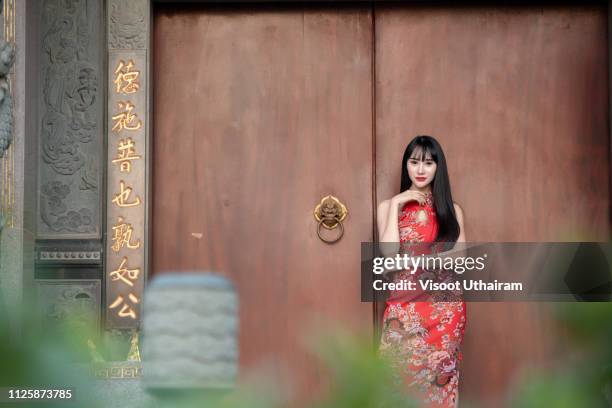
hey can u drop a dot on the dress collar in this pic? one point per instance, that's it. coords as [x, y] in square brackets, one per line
[429, 199]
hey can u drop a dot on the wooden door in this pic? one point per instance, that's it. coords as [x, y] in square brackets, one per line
[518, 98]
[258, 115]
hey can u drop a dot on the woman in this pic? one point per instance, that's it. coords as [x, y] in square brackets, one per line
[421, 334]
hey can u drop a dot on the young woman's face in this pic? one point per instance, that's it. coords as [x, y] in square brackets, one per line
[421, 169]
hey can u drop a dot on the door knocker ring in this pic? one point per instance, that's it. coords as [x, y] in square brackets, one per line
[330, 213]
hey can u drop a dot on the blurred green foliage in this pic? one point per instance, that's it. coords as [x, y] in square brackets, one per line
[584, 377]
[361, 378]
[44, 358]
[358, 376]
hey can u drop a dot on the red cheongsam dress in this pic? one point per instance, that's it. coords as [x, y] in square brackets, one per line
[421, 332]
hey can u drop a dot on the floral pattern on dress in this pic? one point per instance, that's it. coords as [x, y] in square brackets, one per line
[422, 338]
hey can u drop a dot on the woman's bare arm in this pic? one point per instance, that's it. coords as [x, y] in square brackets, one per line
[388, 229]
[459, 214]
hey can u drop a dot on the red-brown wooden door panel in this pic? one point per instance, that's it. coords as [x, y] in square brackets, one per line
[518, 98]
[258, 115]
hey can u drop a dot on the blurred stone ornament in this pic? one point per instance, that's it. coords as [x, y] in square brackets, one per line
[190, 339]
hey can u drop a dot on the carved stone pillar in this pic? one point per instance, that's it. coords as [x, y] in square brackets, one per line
[70, 158]
[13, 241]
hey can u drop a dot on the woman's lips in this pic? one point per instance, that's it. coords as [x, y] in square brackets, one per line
[421, 178]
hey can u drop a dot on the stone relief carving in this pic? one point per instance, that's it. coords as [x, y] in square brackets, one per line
[77, 302]
[55, 213]
[127, 24]
[89, 176]
[74, 302]
[7, 57]
[70, 142]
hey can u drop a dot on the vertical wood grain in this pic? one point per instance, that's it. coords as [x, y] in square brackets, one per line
[258, 115]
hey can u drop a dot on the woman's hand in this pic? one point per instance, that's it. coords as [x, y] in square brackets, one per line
[408, 195]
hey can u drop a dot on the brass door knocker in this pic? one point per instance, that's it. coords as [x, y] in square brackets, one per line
[330, 213]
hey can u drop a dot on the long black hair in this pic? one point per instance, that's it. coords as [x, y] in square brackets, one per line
[448, 230]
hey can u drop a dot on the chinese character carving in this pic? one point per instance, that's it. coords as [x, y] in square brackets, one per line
[126, 119]
[122, 197]
[125, 154]
[122, 234]
[124, 274]
[126, 80]
[126, 310]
